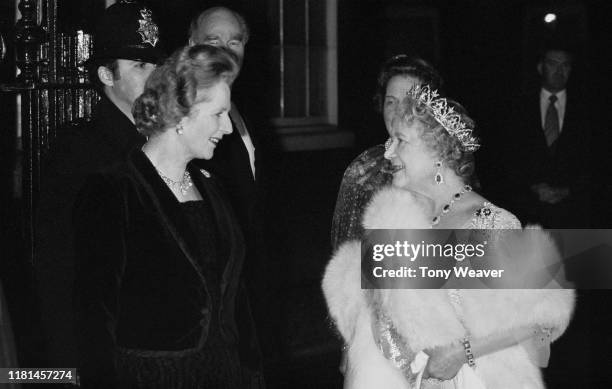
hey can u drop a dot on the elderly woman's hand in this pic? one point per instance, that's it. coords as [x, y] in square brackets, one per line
[444, 362]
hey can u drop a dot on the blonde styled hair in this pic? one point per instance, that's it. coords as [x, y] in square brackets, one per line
[174, 87]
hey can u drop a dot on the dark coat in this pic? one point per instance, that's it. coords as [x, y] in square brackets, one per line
[566, 164]
[138, 285]
[231, 164]
[77, 152]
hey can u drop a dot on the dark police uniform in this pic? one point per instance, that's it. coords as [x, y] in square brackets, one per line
[125, 31]
[81, 151]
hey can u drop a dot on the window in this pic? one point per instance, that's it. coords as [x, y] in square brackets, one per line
[305, 54]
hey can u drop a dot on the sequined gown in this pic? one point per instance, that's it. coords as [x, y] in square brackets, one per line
[362, 179]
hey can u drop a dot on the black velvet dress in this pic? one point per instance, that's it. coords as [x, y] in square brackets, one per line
[216, 364]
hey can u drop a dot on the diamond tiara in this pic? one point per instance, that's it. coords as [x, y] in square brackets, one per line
[445, 115]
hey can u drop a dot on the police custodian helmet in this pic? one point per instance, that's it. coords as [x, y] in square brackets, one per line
[127, 30]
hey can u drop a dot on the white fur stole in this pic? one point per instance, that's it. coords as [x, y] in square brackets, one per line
[426, 318]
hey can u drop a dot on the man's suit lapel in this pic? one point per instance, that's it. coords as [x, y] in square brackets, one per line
[571, 118]
[536, 110]
[241, 152]
[570, 127]
[238, 126]
[165, 206]
[244, 123]
[535, 135]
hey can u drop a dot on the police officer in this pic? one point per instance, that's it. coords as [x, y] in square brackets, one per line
[126, 51]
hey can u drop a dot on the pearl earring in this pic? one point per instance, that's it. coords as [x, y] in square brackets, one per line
[179, 129]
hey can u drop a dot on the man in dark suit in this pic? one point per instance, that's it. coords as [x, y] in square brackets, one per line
[127, 49]
[237, 158]
[549, 164]
[549, 160]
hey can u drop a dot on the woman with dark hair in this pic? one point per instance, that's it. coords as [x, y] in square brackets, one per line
[441, 338]
[160, 302]
[369, 171]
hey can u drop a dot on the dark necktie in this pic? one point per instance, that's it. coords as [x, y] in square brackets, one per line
[551, 122]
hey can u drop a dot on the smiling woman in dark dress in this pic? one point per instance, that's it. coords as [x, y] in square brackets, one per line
[159, 295]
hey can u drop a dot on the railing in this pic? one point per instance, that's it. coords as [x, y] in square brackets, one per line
[54, 92]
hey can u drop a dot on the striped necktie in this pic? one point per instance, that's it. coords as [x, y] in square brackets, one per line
[551, 121]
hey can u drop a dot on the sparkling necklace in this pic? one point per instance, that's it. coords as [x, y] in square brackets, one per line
[183, 185]
[447, 207]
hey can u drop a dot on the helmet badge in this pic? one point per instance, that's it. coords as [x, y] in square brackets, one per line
[148, 29]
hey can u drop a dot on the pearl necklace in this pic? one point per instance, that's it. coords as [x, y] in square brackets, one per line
[447, 207]
[183, 185]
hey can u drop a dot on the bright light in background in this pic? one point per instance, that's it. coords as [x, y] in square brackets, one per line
[549, 18]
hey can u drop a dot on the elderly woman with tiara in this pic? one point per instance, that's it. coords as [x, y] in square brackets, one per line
[370, 170]
[440, 338]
